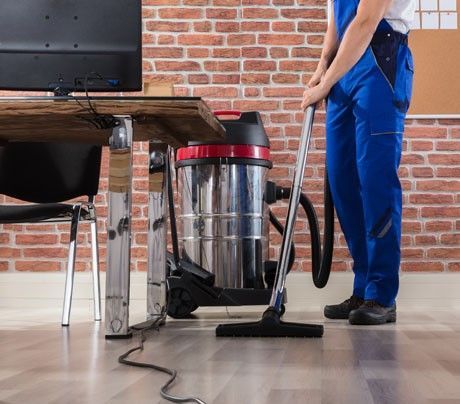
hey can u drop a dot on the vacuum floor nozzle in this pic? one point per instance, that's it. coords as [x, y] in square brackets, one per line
[270, 326]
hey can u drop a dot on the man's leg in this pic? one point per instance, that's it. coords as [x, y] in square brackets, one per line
[378, 161]
[345, 185]
[379, 132]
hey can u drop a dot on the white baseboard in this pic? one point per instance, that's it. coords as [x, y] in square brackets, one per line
[417, 291]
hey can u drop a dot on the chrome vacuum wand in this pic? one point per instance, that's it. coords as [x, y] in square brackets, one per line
[271, 325]
[296, 190]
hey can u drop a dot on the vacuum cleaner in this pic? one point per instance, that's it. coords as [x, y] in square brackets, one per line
[221, 235]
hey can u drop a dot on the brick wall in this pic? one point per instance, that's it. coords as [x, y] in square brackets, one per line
[257, 55]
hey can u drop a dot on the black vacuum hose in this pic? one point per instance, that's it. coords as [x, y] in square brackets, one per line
[280, 229]
[321, 257]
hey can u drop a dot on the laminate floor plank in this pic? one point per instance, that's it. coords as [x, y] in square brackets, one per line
[416, 360]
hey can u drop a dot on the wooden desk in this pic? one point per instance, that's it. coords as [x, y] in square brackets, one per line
[116, 122]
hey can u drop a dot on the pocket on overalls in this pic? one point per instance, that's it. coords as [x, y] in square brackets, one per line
[410, 76]
[388, 122]
[385, 58]
[404, 79]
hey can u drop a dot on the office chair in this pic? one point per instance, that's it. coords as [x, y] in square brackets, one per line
[46, 174]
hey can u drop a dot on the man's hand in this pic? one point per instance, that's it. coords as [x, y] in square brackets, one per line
[318, 75]
[313, 95]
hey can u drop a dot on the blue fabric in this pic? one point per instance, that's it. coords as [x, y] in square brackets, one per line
[365, 123]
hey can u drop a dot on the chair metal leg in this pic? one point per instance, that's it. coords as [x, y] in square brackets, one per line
[95, 266]
[71, 265]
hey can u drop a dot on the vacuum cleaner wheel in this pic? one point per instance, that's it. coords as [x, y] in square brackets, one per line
[181, 303]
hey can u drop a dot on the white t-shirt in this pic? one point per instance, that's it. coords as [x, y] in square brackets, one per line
[401, 14]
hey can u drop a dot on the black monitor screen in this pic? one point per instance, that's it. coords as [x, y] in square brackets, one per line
[71, 45]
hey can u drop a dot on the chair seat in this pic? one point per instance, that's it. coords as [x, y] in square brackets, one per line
[38, 213]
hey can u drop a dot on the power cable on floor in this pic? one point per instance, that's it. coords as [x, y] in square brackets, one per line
[171, 372]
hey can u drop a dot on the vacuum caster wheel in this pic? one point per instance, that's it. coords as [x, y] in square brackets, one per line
[181, 304]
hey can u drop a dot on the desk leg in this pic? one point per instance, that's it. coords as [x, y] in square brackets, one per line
[157, 241]
[119, 231]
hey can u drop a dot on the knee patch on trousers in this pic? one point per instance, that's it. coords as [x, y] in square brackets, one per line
[383, 225]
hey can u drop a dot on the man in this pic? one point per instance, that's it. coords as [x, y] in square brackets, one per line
[366, 71]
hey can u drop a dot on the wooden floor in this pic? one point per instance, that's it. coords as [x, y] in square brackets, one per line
[416, 361]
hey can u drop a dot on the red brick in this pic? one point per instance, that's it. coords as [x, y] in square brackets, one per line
[283, 26]
[426, 172]
[222, 66]
[251, 92]
[227, 26]
[199, 53]
[167, 26]
[177, 66]
[32, 239]
[286, 92]
[441, 212]
[180, 13]
[241, 39]
[298, 65]
[304, 13]
[244, 105]
[231, 53]
[315, 39]
[227, 3]
[437, 199]
[202, 26]
[255, 78]
[453, 266]
[444, 253]
[254, 52]
[200, 39]
[259, 65]
[160, 2]
[163, 52]
[422, 266]
[279, 52]
[226, 78]
[38, 266]
[438, 185]
[447, 146]
[215, 92]
[258, 26]
[221, 13]
[260, 13]
[438, 225]
[198, 79]
[421, 132]
[444, 159]
[306, 52]
[166, 39]
[281, 39]
[312, 26]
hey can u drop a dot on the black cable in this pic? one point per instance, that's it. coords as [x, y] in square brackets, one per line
[98, 120]
[171, 372]
[172, 212]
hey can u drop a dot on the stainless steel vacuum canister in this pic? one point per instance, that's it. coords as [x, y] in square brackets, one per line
[223, 223]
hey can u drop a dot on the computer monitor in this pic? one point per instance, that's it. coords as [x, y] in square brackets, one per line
[71, 45]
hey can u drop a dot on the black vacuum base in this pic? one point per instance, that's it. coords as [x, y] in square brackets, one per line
[121, 336]
[270, 326]
[187, 292]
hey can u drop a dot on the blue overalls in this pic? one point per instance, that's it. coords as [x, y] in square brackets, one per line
[364, 124]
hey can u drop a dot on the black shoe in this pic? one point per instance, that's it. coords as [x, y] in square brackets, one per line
[372, 313]
[342, 311]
